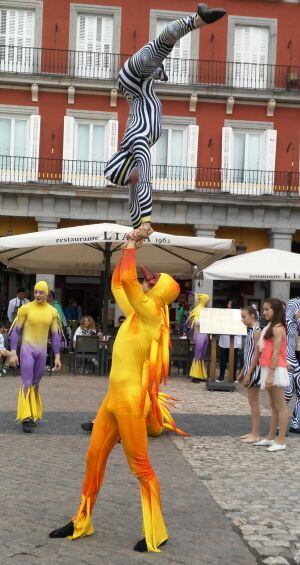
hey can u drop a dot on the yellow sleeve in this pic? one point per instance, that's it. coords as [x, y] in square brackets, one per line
[137, 298]
[118, 290]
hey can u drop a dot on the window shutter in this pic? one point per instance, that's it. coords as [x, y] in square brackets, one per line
[68, 147]
[227, 157]
[112, 138]
[34, 146]
[270, 136]
[192, 155]
[107, 47]
[69, 166]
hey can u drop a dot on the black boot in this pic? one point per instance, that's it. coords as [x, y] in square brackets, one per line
[141, 545]
[64, 532]
[27, 427]
[210, 16]
[87, 426]
[33, 423]
[294, 430]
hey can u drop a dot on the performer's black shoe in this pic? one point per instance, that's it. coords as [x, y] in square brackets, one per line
[27, 427]
[194, 380]
[141, 545]
[163, 75]
[33, 423]
[210, 16]
[87, 426]
[294, 430]
[64, 532]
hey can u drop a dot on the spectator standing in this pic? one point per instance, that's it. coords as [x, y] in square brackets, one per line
[16, 303]
[224, 345]
[274, 373]
[70, 311]
[250, 373]
[57, 305]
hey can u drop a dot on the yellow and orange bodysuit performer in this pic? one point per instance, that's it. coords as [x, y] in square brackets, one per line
[198, 370]
[32, 325]
[139, 363]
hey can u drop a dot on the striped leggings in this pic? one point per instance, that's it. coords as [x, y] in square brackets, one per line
[143, 128]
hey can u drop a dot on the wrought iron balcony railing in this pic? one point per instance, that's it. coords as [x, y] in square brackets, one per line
[104, 66]
[58, 172]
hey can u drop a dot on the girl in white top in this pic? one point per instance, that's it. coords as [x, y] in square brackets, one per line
[87, 327]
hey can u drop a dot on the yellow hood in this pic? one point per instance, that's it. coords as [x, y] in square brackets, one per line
[165, 291]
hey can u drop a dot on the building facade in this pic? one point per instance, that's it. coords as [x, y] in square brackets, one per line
[227, 164]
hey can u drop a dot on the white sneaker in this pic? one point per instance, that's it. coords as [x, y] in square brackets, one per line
[264, 442]
[277, 447]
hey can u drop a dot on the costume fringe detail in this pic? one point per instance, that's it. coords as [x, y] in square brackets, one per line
[198, 370]
[29, 405]
[82, 521]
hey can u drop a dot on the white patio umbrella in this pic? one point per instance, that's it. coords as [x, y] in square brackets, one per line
[262, 265]
[94, 248]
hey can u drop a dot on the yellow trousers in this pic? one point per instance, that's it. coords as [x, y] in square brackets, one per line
[108, 428]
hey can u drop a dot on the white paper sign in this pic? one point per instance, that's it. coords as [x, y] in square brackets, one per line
[225, 321]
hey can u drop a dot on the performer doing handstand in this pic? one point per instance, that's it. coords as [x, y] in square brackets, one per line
[140, 361]
[132, 164]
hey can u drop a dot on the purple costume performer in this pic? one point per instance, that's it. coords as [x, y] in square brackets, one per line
[33, 322]
[198, 370]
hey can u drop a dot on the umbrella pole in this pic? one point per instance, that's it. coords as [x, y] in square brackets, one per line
[107, 256]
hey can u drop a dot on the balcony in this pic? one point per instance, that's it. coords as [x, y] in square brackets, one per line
[80, 65]
[203, 180]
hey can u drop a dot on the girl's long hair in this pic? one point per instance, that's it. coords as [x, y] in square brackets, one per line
[279, 315]
[92, 325]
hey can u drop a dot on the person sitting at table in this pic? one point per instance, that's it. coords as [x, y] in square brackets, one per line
[87, 327]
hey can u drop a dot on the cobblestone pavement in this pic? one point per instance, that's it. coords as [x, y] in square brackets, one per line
[41, 477]
[258, 491]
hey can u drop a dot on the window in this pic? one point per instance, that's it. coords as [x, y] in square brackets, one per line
[19, 146]
[251, 52]
[248, 158]
[181, 62]
[88, 143]
[95, 40]
[20, 32]
[174, 157]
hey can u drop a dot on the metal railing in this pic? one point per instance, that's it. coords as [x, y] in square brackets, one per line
[105, 66]
[64, 173]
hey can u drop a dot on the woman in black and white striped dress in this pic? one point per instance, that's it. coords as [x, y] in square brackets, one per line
[250, 374]
[132, 164]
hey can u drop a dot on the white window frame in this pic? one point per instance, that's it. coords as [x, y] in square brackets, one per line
[89, 123]
[10, 171]
[271, 24]
[94, 10]
[249, 185]
[170, 15]
[95, 174]
[178, 184]
[13, 118]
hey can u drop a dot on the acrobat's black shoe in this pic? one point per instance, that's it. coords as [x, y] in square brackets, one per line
[210, 16]
[87, 426]
[64, 532]
[27, 427]
[141, 545]
[163, 75]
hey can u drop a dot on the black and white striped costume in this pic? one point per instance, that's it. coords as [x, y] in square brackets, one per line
[292, 307]
[248, 356]
[143, 128]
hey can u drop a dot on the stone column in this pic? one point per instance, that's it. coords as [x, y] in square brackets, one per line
[204, 286]
[47, 224]
[281, 238]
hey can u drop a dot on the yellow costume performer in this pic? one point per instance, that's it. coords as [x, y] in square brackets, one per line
[32, 324]
[198, 370]
[139, 363]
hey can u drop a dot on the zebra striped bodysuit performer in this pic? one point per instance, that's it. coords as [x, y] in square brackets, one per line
[292, 307]
[143, 128]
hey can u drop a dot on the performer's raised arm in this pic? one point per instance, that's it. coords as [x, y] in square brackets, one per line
[137, 298]
[118, 290]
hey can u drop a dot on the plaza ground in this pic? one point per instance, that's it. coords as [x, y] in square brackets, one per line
[224, 503]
